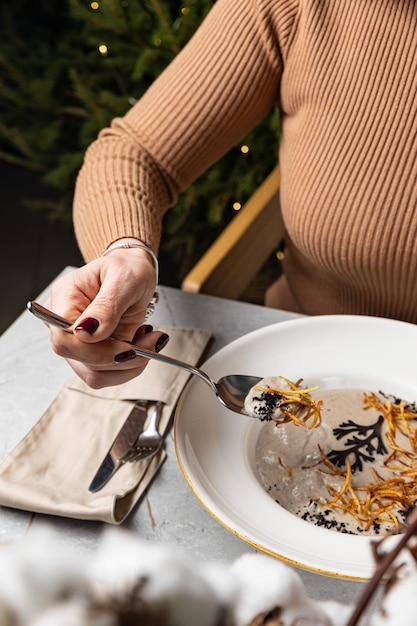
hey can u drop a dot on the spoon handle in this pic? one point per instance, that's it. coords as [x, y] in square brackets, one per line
[163, 358]
[53, 319]
[47, 316]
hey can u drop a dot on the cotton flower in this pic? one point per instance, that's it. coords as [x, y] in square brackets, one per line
[36, 572]
[7, 615]
[399, 604]
[337, 613]
[166, 578]
[268, 587]
[73, 613]
[221, 579]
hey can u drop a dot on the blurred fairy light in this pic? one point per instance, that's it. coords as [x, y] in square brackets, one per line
[237, 206]
[103, 49]
[94, 5]
[244, 149]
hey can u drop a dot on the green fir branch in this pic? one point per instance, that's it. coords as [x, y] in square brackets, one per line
[15, 137]
[18, 78]
[85, 95]
[165, 24]
[26, 164]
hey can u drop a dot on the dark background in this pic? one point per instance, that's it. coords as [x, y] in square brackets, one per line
[33, 249]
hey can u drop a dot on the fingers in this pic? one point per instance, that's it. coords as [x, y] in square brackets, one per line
[109, 362]
[100, 380]
[103, 355]
[107, 296]
[118, 304]
[130, 354]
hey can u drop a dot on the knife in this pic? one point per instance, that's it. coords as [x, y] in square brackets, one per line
[118, 453]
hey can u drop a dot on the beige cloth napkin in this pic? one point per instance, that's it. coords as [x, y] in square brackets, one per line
[51, 469]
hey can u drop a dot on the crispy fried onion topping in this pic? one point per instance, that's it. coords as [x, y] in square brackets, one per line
[382, 499]
[295, 403]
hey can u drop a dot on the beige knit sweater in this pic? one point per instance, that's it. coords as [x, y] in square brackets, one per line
[344, 75]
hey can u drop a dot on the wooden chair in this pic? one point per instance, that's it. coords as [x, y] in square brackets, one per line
[237, 255]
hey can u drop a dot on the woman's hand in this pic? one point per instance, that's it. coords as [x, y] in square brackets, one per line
[107, 296]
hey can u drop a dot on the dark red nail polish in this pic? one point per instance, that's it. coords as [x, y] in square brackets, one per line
[141, 331]
[162, 342]
[89, 325]
[122, 357]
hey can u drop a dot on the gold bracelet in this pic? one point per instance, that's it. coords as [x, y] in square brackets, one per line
[125, 244]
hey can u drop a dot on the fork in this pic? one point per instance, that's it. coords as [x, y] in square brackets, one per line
[149, 441]
[146, 446]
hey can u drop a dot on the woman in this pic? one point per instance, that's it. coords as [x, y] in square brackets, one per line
[344, 77]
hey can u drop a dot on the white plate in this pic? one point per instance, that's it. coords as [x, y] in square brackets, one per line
[216, 447]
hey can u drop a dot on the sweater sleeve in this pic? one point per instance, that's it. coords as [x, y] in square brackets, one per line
[219, 87]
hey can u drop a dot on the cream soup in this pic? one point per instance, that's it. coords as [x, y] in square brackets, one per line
[354, 473]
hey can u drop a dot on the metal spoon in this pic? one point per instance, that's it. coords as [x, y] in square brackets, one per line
[231, 390]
